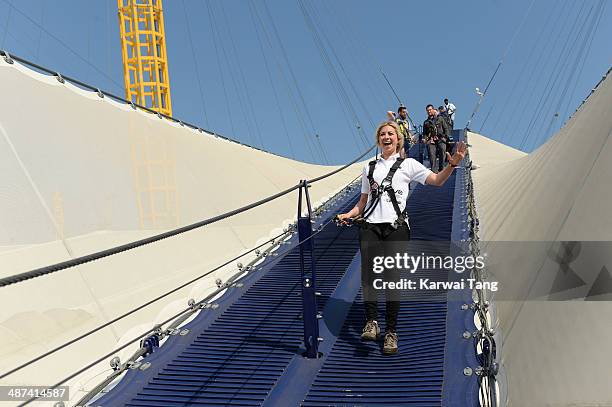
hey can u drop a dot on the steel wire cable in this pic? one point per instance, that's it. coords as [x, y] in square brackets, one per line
[518, 81]
[316, 18]
[195, 62]
[126, 314]
[245, 83]
[559, 78]
[69, 48]
[573, 93]
[484, 335]
[132, 311]
[579, 57]
[132, 245]
[550, 82]
[177, 315]
[228, 66]
[218, 59]
[265, 29]
[543, 55]
[501, 61]
[272, 85]
[341, 93]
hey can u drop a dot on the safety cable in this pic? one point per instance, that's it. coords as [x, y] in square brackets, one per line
[132, 311]
[272, 240]
[484, 336]
[132, 245]
[95, 256]
[199, 304]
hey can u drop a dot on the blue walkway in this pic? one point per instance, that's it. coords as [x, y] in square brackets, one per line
[247, 352]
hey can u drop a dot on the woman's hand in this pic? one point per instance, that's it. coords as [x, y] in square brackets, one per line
[459, 154]
[343, 218]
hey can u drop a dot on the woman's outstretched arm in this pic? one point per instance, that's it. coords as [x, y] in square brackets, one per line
[440, 178]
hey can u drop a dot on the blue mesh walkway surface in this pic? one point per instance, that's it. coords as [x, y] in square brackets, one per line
[356, 372]
[248, 351]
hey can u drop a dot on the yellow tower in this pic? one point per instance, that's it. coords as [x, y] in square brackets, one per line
[143, 47]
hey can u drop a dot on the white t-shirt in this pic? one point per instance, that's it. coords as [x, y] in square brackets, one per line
[450, 109]
[410, 170]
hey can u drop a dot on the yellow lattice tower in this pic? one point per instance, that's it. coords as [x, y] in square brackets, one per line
[143, 46]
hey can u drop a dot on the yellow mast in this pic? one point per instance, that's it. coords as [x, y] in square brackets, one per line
[143, 47]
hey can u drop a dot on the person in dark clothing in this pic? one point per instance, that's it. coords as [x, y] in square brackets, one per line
[449, 128]
[435, 133]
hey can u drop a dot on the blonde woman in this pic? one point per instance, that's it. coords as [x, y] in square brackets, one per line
[381, 211]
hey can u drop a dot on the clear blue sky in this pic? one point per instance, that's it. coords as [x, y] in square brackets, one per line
[429, 50]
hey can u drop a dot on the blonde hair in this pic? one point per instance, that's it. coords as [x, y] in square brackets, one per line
[400, 137]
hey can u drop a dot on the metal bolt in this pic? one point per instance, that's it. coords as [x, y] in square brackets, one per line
[467, 371]
[191, 303]
[307, 283]
[239, 266]
[115, 363]
[218, 282]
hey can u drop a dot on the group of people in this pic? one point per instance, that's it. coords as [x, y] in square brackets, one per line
[436, 134]
[381, 211]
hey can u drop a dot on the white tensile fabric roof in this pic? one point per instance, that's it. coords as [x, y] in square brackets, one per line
[556, 353]
[81, 174]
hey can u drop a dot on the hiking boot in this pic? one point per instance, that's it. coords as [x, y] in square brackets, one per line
[390, 346]
[371, 331]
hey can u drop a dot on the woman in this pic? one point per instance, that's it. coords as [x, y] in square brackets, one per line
[381, 211]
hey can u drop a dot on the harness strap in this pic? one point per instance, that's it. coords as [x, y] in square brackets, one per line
[386, 185]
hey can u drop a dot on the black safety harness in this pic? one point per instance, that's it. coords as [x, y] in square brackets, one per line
[377, 191]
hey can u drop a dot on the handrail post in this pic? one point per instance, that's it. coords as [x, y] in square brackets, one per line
[308, 276]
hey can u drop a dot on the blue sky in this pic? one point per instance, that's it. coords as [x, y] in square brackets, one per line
[259, 74]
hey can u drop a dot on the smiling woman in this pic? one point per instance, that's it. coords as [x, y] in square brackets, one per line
[381, 214]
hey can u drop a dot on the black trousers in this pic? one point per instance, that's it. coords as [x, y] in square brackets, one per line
[381, 239]
[437, 155]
